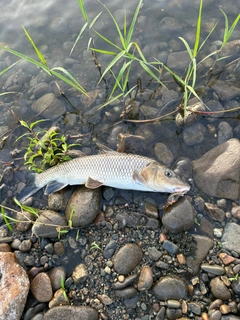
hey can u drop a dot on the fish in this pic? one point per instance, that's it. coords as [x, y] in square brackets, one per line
[109, 168]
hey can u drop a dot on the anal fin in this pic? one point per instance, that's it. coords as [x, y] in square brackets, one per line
[93, 184]
[54, 186]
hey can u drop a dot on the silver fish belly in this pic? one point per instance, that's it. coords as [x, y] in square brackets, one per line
[111, 169]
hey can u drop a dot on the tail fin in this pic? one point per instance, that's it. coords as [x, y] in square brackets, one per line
[29, 190]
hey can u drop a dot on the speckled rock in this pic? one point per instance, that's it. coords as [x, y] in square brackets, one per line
[203, 245]
[86, 206]
[194, 134]
[226, 92]
[55, 275]
[41, 287]
[170, 287]
[80, 273]
[24, 221]
[179, 216]
[214, 212]
[71, 313]
[14, 287]
[178, 60]
[219, 289]
[145, 280]
[225, 132]
[231, 237]
[163, 154]
[217, 172]
[59, 299]
[45, 225]
[127, 258]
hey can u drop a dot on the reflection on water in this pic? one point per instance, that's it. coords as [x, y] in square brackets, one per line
[54, 26]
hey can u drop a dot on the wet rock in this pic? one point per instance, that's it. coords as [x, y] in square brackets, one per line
[231, 237]
[170, 247]
[163, 154]
[85, 203]
[126, 282]
[179, 216]
[183, 168]
[169, 24]
[217, 172]
[80, 273]
[112, 139]
[41, 89]
[14, 287]
[88, 100]
[219, 289]
[129, 143]
[105, 299]
[173, 314]
[132, 219]
[56, 275]
[236, 286]
[59, 299]
[178, 60]
[25, 246]
[126, 293]
[50, 107]
[59, 27]
[24, 221]
[127, 258]
[154, 254]
[214, 106]
[214, 212]
[170, 287]
[213, 268]
[226, 92]
[145, 280]
[5, 247]
[194, 134]
[191, 114]
[59, 248]
[56, 201]
[236, 212]
[203, 245]
[226, 259]
[71, 313]
[110, 249]
[225, 132]
[41, 287]
[47, 223]
[195, 308]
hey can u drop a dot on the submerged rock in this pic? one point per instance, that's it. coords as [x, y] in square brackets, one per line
[170, 287]
[217, 172]
[71, 313]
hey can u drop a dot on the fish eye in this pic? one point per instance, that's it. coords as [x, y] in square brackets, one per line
[168, 173]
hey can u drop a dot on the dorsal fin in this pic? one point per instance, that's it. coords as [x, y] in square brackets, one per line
[103, 149]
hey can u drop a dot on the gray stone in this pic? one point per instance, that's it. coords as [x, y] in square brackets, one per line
[194, 134]
[236, 286]
[71, 313]
[214, 212]
[178, 60]
[203, 245]
[163, 154]
[219, 289]
[128, 281]
[170, 287]
[56, 275]
[213, 106]
[170, 247]
[47, 223]
[217, 172]
[231, 237]
[226, 92]
[127, 258]
[126, 293]
[179, 216]
[110, 249]
[225, 132]
[154, 254]
[85, 205]
[213, 268]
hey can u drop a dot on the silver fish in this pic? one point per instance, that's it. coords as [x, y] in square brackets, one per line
[109, 168]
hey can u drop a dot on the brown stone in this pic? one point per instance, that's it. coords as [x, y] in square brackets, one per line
[226, 259]
[14, 287]
[41, 287]
[5, 247]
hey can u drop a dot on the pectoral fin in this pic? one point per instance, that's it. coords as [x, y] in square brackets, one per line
[54, 186]
[93, 184]
[137, 177]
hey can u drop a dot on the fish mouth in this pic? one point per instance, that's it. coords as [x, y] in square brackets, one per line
[182, 189]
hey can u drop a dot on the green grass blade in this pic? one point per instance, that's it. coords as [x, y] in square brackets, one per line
[138, 49]
[131, 29]
[121, 37]
[187, 47]
[94, 20]
[79, 36]
[111, 100]
[69, 79]
[107, 40]
[6, 219]
[225, 29]
[112, 63]
[39, 54]
[149, 71]
[8, 68]
[205, 40]
[120, 76]
[198, 30]
[83, 10]
[111, 53]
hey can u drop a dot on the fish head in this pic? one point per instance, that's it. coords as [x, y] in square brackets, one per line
[162, 179]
